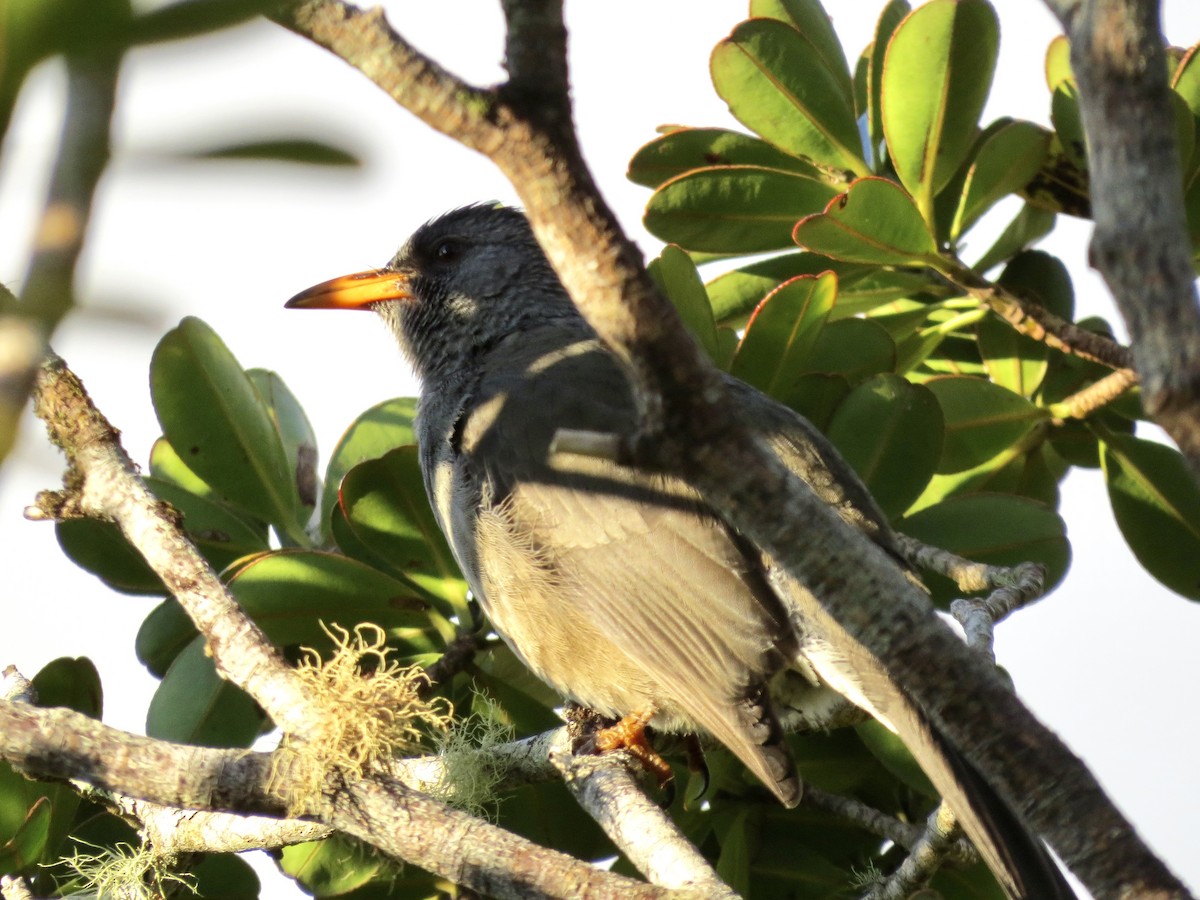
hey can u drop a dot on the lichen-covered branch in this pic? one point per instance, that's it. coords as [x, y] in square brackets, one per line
[688, 427]
[940, 835]
[1140, 244]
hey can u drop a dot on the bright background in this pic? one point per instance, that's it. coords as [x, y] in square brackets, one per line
[1109, 660]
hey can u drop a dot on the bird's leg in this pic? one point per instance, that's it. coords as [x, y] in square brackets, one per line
[630, 734]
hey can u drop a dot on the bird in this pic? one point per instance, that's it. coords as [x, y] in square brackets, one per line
[620, 588]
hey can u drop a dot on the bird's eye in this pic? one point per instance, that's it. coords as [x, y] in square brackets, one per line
[447, 250]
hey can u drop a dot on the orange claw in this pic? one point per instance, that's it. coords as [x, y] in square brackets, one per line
[630, 734]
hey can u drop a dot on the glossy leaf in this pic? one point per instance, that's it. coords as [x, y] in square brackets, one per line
[676, 275]
[890, 431]
[166, 465]
[72, 682]
[386, 507]
[1006, 162]
[299, 439]
[1013, 361]
[777, 84]
[219, 533]
[1157, 506]
[684, 149]
[874, 222]
[1036, 275]
[381, 428]
[733, 209]
[194, 705]
[289, 593]
[162, 636]
[330, 867]
[999, 529]
[781, 332]
[814, 24]
[936, 77]
[889, 20]
[736, 293]
[216, 420]
[100, 548]
[982, 419]
[856, 349]
[862, 291]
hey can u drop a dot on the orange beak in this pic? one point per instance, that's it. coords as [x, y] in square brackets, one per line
[358, 291]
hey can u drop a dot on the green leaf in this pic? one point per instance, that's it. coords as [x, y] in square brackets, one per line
[28, 844]
[874, 222]
[386, 507]
[191, 18]
[853, 348]
[677, 277]
[219, 533]
[289, 593]
[735, 294]
[863, 290]
[737, 830]
[1058, 62]
[890, 431]
[1186, 79]
[936, 77]
[299, 439]
[781, 332]
[889, 20]
[226, 876]
[381, 428]
[166, 465]
[194, 705]
[1068, 124]
[998, 529]
[733, 209]
[777, 84]
[1157, 507]
[810, 19]
[1006, 162]
[816, 396]
[70, 682]
[330, 867]
[1027, 227]
[1036, 275]
[982, 419]
[100, 548]
[217, 421]
[162, 636]
[1013, 360]
[887, 747]
[684, 149]
[307, 151]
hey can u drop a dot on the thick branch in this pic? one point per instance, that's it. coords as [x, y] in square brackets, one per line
[688, 427]
[1140, 244]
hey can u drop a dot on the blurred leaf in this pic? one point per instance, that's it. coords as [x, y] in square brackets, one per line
[889, 19]
[1157, 506]
[890, 432]
[874, 222]
[777, 84]
[998, 529]
[1062, 185]
[936, 77]
[1005, 163]
[195, 17]
[853, 348]
[283, 149]
[1013, 360]
[1185, 81]
[216, 420]
[887, 747]
[330, 867]
[1068, 125]
[781, 332]
[299, 439]
[816, 396]
[1027, 227]
[685, 149]
[385, 505]
[1058, 62]
[733, 209]
[1038, 276]
[381, 428]
[982, 419]
[162, 636]
[194, 705]
[739, 845]
[677, 277]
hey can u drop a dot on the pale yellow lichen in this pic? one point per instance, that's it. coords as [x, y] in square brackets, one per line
[469, 778]
[124, 871]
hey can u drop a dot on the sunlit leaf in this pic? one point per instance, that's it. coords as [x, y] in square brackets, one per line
[1006, 162]
[982, 419]
[875, 221]
[676, 275]
[685, 149]
[781, 332]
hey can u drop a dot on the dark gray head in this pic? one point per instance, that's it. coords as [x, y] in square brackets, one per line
[461, 283]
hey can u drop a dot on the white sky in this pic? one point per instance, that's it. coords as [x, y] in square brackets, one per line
[1109, 660]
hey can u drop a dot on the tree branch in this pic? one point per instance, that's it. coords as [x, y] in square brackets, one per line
[1140, 244]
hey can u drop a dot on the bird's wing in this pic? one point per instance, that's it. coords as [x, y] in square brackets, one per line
[583, 562]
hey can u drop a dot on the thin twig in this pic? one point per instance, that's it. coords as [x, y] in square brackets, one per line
[940, 835]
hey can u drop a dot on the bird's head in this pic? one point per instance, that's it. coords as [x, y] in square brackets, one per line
[462, 282]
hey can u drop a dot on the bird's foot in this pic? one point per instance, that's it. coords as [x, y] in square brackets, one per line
[630, 734]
